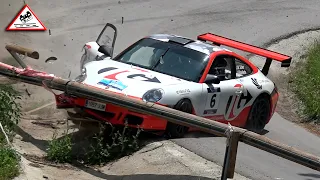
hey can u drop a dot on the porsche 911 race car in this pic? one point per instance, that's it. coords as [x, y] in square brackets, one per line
[193, 76]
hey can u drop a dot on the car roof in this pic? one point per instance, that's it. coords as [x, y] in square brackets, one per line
[188, 43]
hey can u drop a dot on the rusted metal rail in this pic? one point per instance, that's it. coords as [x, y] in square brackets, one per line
[15, 50]
[175, 116]
[23, 51]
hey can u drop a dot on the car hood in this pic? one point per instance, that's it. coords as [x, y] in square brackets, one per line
[126, 79]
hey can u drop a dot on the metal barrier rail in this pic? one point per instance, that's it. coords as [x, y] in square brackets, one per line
[234, 134]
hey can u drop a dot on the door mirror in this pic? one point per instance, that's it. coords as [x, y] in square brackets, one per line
[105, 50]
[107, 39]
[212, 79]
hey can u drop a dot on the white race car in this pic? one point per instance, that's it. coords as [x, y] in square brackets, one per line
[193, 76]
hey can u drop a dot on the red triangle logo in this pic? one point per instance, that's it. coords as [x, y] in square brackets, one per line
[26, 20]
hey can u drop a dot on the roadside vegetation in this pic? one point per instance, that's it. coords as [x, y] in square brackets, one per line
[59, 150]
[306, 84]
[108, 144]
[111, 143]
[9, 117]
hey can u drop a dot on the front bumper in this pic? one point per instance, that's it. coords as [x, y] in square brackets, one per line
[113, 114]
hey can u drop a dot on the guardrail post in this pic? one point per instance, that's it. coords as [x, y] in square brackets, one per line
[230, 154]
[14, 50]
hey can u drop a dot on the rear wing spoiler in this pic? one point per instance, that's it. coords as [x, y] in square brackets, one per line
[270, 55]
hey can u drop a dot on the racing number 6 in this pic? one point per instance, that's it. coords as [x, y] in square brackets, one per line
[213, 100]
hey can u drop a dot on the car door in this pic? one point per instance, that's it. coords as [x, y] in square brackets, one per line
[105, 42]
[222, 99]
[107, 38]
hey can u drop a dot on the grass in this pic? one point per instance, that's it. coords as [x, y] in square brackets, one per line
[306, 83]
[10, 112]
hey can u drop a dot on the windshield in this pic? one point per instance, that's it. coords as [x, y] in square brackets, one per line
[166, 58]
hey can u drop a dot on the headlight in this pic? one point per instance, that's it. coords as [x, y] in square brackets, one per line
[153, 95]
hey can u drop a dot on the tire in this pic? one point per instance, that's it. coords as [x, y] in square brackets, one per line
[176, 130]
[258, 115]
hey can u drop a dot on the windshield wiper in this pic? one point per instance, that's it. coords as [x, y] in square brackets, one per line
[160, 58]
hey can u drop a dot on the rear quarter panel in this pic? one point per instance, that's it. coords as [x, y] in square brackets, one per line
[257, 84]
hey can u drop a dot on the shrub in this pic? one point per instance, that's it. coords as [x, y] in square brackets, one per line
[106, 145]
[9, 163]
[110, 144]
[10, 110]
[59, 150]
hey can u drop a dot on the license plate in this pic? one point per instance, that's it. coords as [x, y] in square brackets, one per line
[95, 105]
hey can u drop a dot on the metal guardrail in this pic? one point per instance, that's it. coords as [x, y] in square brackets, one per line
[234, 134]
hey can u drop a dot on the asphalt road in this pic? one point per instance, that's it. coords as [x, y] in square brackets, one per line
[74, 22]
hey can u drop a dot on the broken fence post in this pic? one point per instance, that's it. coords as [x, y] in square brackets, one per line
[230, 153]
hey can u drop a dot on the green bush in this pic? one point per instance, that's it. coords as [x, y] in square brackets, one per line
[9, 163]
[10, 110]
[60, 150]
[106, 145]
[306, 83]
[112, 144]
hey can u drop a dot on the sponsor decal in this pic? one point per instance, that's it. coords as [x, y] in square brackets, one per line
[113, 84]
[106, 69]
[255, 82]
[213, 97]
[263, 81]
[184, 91]
[241, 69]
[141, 77]
[26, 20]
[145, 78]
[238, 85]
[235, 104]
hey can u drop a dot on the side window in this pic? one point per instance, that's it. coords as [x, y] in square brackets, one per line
[242, 69]
[222, 67]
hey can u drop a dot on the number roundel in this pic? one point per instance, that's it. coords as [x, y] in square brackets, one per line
[213, 100]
